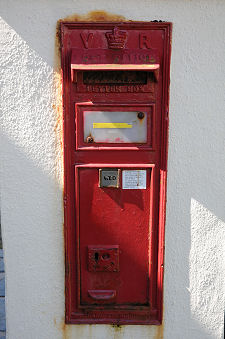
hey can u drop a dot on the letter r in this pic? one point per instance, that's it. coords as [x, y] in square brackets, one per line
[144, 41]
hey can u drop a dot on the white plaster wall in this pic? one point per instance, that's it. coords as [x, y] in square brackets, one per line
[31, 198]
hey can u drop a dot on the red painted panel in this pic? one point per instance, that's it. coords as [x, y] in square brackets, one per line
[103, 258]
[121, 217]
[114, 237]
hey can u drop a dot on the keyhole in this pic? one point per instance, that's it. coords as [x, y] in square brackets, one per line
[96, 256]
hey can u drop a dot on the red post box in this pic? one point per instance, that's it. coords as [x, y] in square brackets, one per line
[115, 99]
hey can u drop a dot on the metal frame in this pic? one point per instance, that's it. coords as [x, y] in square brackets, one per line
[73, 315]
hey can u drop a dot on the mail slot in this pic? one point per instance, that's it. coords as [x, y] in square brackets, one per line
[115, 99]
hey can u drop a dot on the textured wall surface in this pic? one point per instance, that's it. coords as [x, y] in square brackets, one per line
[32, 172]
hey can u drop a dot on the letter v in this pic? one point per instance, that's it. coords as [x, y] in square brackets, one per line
[86, 39]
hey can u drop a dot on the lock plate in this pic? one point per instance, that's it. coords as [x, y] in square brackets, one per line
[109, 178]
[103, 258]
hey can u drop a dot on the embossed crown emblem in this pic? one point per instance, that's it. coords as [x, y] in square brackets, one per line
[116, 39]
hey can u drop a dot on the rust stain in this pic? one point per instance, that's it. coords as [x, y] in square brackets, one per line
[95, 16]
[58, 130]
[159, 332]
[117, 331]
[90, 139]
[57, 104]
[62, 327]
[117, 327]
[57, 60]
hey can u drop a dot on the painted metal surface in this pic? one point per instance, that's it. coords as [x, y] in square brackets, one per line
[137, 133]
[114, 236]
[103, 258]
[115, 127]
[114, 216]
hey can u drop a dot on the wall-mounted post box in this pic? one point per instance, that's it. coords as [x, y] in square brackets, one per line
[115, 99]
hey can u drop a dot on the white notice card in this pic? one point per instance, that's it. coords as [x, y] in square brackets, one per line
[134, 179]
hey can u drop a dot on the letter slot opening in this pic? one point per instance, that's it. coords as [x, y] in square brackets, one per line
[116, 77]
[119, 74]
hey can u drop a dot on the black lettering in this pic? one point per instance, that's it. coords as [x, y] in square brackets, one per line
[109, 177]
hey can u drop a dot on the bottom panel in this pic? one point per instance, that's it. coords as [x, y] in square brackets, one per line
[113, 208]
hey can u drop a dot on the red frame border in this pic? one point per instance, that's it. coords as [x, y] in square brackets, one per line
[148, 146]
[70, 316]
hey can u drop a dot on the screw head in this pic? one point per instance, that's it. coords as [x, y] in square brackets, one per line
[90, 140]
[140, 115]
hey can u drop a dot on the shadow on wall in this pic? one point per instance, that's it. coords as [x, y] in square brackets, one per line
[194, 288]
[33, 238]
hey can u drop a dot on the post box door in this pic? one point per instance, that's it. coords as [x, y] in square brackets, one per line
[115, 99]
[114, 227]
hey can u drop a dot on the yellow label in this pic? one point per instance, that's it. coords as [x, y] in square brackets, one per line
[111, 125]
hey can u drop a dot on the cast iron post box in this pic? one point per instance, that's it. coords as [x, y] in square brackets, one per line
[115, 100]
